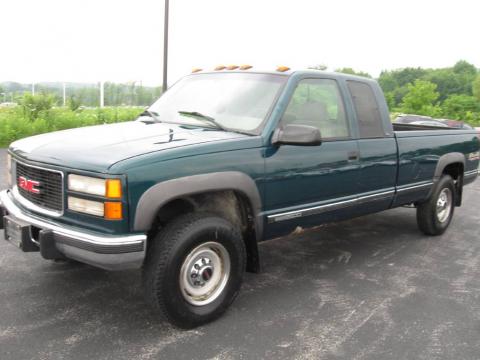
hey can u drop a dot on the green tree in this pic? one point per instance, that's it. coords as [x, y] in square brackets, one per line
[446, 80]
[387, 81]
[464, 67]
[458, 106]
[74, 102]
[402, 77]
[396, 81]
[348, 70]
[390, 99]
[420, 98]
[476, 87]
[3, 94]
[454, 80]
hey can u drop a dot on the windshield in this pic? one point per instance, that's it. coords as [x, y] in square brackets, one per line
[234, 101]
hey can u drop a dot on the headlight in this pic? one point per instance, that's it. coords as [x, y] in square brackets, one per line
[109, 210]
[86, 206]
[110, 188]
[9, 170]
[107, 188]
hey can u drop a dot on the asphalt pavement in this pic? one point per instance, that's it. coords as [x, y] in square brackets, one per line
[369, 288]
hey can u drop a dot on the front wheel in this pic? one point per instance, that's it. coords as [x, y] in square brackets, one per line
[434, 215]
[194, 269]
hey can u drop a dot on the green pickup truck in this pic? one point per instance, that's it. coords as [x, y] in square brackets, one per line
[223, 160]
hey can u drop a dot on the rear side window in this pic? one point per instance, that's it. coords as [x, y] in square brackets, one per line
[366, 107]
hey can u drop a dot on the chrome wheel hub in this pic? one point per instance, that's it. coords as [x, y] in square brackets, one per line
[204, 273]
[201, 272]
[444, 205]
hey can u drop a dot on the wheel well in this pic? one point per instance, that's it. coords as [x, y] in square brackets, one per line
[455, 170]
[231, 205]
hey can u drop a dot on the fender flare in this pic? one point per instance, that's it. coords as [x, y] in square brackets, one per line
[445, 160]
[160, 194]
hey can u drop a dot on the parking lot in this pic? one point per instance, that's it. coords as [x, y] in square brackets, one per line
[369, 288]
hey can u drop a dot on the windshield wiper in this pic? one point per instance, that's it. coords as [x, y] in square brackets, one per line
[200, 116]
[151, 114]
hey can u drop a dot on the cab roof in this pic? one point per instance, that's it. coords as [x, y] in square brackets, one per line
[289, 72]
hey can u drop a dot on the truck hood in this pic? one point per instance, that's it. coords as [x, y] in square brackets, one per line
[96, 148]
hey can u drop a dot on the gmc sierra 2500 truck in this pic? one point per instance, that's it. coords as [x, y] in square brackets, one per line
[223, 160]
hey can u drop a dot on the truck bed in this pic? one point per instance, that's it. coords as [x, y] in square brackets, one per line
[413, 127]
[420, 148]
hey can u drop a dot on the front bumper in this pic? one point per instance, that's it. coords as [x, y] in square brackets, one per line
[100, 250]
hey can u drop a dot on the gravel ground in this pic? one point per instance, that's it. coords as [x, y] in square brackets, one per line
[368, 288]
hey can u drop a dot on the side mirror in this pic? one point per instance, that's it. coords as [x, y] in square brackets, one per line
[302, 135]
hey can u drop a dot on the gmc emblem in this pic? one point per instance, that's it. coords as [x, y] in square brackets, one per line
[28, 185]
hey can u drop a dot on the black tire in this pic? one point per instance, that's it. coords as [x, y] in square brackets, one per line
[167, 258]
[428, 219]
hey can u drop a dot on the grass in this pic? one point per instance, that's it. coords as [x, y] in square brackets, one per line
[14, 124]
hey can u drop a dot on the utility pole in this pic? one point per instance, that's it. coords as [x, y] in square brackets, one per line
[101, 94]
[64, 95]
[165, 47]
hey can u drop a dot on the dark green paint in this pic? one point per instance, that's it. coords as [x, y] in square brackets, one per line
[288, 177]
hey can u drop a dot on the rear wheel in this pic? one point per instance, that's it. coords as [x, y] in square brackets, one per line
[434, 215]
[194, 269]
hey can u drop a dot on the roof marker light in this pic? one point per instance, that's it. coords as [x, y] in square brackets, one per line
[283, 68]
[232, 67]
[195, 70]
[220, 67]
[245, 67]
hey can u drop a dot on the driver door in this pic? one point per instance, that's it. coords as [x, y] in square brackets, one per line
[306, 185]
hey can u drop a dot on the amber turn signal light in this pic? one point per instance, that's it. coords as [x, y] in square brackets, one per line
[283, 68]
[113, 211]
[114, 189]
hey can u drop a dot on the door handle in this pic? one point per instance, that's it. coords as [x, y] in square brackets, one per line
[353, 155]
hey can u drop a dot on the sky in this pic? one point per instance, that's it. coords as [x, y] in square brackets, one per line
[122, 40]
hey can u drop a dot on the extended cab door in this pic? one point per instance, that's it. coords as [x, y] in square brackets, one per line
[305, 185]
[377, 145]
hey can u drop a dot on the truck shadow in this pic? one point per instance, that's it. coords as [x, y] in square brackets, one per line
[338, 253]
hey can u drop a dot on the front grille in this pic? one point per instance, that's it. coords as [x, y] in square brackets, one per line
[50, 196]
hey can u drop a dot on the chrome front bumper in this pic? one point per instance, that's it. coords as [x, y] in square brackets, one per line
[100, 250]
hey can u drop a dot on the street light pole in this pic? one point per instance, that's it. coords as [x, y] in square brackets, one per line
[64, 95]
[165, 48]
[102, 94]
